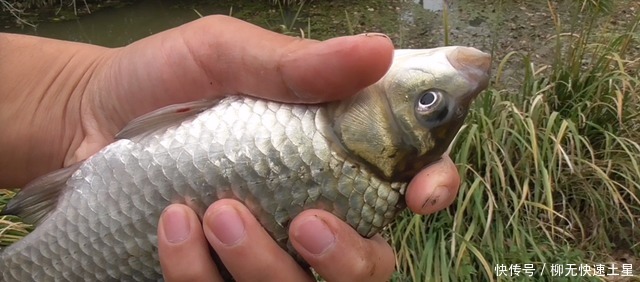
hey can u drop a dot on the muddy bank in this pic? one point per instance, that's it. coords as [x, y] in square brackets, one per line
[496, 26]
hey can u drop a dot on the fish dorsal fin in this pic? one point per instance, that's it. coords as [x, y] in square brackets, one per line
[40, 197]
[162, 119]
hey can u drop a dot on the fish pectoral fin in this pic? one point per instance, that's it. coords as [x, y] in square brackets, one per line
[163, 118]
[40, 197]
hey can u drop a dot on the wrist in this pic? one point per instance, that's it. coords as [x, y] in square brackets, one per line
[43, 85]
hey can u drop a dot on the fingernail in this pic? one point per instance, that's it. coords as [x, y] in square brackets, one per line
[315, 236]
[375, 34]
[438, 194]
[175, 224]
[227, 226]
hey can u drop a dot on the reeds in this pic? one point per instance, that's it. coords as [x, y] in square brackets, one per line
[550, 174]
[11, 228]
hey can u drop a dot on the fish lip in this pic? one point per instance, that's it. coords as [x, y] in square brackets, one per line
[475, 66]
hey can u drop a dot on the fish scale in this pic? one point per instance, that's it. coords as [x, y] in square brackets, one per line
[278, 194]
[97, 220]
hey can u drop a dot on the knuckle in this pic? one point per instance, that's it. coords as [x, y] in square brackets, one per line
[364, 270]
[373, 263]
[217, 19]
[196, 272]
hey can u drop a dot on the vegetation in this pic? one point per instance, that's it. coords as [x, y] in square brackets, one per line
[11, 229]
[550, 174]
[551, 171]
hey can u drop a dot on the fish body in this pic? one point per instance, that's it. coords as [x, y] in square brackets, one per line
[97, 220]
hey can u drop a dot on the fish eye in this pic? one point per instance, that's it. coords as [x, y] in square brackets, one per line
[432, 107]
[430, 100]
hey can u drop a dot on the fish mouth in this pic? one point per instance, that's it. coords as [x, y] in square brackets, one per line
[475, 66]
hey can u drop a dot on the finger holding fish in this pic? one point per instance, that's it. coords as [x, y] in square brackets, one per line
[337, 252]
[240, 241]
[434, 188]
[189, 260]
[182, 247]
[216, 56]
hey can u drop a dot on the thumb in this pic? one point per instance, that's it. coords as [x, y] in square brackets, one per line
[219, 55]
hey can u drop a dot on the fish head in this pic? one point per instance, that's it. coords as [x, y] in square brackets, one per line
[408, 119]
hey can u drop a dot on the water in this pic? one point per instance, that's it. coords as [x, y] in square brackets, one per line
[431, 5]
[409, 23]
[114, 27]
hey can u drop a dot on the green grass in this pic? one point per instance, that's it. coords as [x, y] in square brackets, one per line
[550, 173]
[11, 229]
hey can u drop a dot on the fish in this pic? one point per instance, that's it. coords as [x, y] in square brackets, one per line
[97, 220]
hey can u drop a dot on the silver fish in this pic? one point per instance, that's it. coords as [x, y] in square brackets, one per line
[96, 220]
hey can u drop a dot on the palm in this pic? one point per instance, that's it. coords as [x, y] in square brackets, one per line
[191, 63]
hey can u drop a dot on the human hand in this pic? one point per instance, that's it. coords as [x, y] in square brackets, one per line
[330, 246]
[61, 102]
